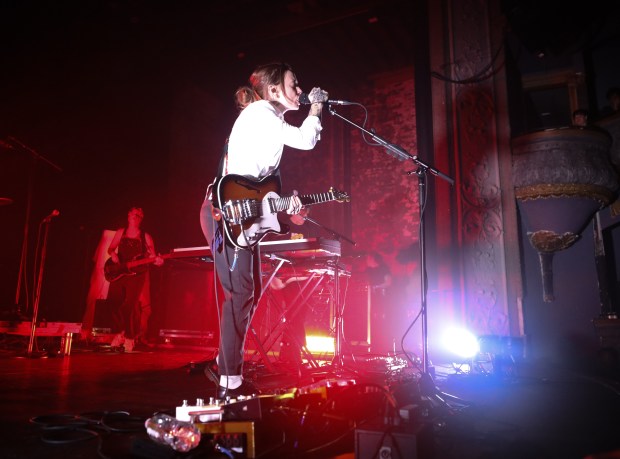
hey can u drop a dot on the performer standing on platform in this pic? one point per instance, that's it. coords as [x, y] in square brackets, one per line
[254, 150]
[130, 244]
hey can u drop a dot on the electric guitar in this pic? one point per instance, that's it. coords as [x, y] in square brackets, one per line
[114, 271]
[248, 208]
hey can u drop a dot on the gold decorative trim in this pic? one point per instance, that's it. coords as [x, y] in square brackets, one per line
[565, 190]
[549, 241]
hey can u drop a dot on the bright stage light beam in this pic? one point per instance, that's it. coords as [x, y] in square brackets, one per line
[461, 342]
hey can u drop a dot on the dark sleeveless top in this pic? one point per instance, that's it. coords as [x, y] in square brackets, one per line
[131, 248]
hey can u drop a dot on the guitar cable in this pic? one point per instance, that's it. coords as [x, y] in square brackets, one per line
[231, 267]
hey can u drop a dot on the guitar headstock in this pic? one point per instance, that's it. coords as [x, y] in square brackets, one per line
[340, 196]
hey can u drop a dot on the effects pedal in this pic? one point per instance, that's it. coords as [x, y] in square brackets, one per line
[200, 412]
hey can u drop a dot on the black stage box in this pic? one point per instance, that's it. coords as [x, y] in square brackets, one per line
[188, 300]
[391, 442]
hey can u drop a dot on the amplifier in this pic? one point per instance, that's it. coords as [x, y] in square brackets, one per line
[187, 313]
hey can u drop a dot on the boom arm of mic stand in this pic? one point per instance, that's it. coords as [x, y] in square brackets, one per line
[34, 153]
[398, 151]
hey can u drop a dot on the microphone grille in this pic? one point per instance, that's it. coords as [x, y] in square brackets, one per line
[304, 99]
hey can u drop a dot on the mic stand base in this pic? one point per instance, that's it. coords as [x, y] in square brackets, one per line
[36, 355]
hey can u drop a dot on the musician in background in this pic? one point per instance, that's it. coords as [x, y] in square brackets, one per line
[254, 150]
[128, 244]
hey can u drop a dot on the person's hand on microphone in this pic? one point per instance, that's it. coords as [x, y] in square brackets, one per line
[317, 96]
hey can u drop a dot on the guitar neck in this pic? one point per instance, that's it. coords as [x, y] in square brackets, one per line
[144, 261]
[306, 200]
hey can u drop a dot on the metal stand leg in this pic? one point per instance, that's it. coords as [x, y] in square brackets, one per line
[260, 349]
[297, 303]
[37, 296]
[338, 360]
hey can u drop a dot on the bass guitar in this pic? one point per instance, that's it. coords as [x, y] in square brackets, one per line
[114, 271]
[248, 208]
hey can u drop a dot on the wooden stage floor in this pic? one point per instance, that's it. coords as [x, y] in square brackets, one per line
[93, 403]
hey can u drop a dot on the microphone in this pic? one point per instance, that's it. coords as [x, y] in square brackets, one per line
[55, 213]
[304, 99]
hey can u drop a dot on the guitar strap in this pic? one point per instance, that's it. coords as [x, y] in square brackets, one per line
[145, 252]
[221, 169]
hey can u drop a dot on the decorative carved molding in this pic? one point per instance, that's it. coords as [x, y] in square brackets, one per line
[557, 190]
[480, 193]
[549, 241]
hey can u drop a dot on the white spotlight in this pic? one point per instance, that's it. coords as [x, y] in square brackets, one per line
[461, 342]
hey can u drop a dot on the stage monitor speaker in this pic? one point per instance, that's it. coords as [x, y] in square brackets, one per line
[189, 298]
[104, 319]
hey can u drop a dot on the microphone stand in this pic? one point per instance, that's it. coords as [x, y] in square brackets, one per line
[37, 294]
[24, 253]
[426, 384]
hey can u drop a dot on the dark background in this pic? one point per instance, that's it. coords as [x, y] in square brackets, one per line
[109, 104]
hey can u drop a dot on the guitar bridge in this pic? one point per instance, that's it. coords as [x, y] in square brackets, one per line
[237, 212]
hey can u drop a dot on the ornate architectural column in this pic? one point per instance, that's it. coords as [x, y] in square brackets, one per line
[478, 242]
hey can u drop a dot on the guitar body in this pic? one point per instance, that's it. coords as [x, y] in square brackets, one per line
[248, 209]
[268, 222]
[114, 271]
[245, 205]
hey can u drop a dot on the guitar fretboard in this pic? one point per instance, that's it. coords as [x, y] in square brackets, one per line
[306, 200]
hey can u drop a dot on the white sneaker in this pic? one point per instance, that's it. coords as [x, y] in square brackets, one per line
[128, 345]
[118, 340]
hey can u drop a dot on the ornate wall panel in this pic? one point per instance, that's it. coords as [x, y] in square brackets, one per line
[385, 208]
[471, 114]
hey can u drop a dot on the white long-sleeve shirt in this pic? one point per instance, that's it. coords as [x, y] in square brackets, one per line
[258, 137]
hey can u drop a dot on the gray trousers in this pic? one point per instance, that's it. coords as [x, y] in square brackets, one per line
[242, 289]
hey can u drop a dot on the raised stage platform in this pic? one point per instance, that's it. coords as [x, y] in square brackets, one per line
[64, 330]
